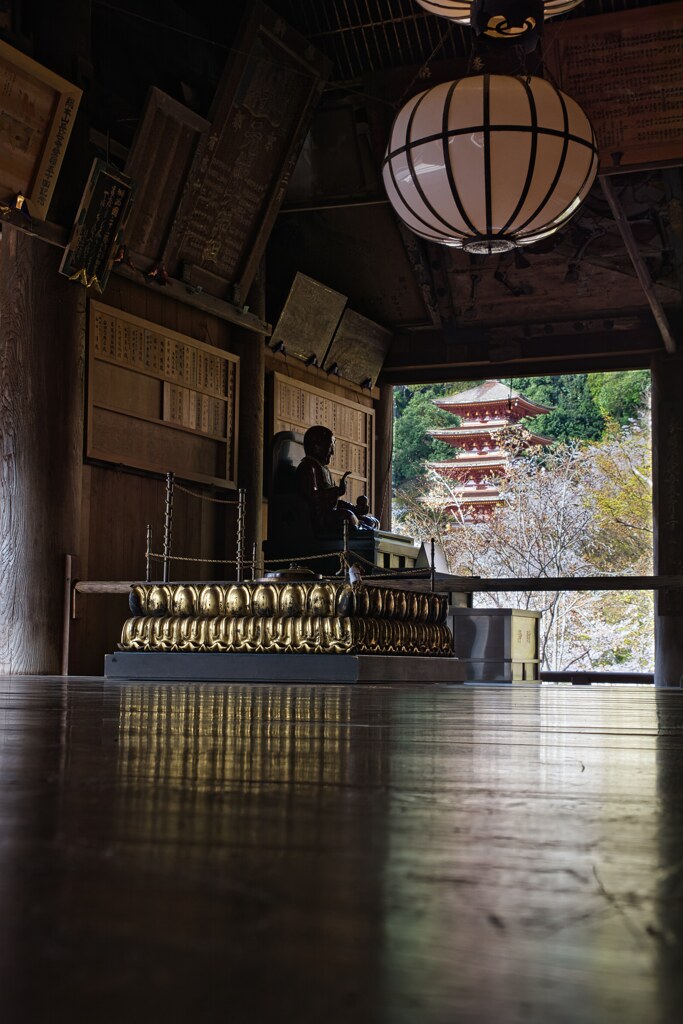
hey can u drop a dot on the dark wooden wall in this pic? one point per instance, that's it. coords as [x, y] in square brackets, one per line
[117, 504]
[41, 437]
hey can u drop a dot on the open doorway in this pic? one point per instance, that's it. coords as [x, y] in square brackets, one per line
[511, 491]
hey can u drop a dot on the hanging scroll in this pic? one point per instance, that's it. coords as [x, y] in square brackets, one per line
[37, 111]
[159, 400]
[626, 71]
[239, 175]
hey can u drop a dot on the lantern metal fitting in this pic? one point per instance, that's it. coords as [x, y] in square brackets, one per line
[489, 162]
[460, 10]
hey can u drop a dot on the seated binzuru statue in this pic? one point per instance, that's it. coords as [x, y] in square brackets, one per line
[313, 481]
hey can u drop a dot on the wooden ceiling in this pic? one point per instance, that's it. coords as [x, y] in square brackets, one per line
[577, 301]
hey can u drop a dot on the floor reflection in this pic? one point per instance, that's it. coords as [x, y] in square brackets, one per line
[381, 854]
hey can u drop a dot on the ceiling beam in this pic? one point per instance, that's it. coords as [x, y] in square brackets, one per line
[478, 353]
[639, 264]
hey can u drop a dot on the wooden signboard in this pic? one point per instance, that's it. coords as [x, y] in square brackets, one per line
[159, 400]
[308, 320]
[239, 175]
[159, 162]
[626, 71]
[37, 111]
[98, 228]
[358, 349]
[298, 406]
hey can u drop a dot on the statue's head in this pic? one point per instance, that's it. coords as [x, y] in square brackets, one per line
[319, 443]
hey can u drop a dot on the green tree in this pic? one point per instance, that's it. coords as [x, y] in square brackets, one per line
[621, 499]
[414, 415]
[574, 414]
[620, 396]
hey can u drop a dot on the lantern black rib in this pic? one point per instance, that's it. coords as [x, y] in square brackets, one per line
[487, 155]
[532, 157]
[561, 222]
[474, 128]
[435, 213]
[560, 166]
[407, 150]
[447, 162]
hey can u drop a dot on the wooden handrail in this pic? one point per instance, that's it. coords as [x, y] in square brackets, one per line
[467, 584]
[102, 586]
[476, 584]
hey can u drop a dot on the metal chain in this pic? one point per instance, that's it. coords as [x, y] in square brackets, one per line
[182, 558]
[205, 497]
[393, 574]
[233, 561]
[299, 558]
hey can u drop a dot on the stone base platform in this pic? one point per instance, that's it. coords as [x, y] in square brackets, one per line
[198, 666]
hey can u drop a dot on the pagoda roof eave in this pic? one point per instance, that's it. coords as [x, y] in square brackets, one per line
[456, 408]
[490, 392]
[454, 433]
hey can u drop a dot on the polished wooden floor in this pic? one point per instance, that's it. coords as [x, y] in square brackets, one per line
[386, 854]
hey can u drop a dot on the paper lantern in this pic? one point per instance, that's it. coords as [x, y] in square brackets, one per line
[489, 162]
[459, 10]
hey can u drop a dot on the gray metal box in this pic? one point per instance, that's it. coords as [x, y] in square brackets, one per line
[497, 645]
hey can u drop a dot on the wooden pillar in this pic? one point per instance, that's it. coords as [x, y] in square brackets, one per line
[667, 496]
[42, 331]
[384, 428]
[252, 351]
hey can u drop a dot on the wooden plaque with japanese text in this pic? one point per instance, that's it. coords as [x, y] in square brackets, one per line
[298, 406]
[239, 175]
[358, 349]
[309, 318]
[625, 71]
[98, 228]
[37, 112]
[160, 401]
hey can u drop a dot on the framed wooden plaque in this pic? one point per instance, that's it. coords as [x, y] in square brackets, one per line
[98, 228]
[298, 406]
[626, 72]
[239, 175]
[309, 319]
[358, 349]
[37, 111]
[159, 400]
[159, 162]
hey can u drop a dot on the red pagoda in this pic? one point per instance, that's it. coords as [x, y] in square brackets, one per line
[485, 412]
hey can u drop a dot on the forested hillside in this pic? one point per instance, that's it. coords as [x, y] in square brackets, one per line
[583, 408]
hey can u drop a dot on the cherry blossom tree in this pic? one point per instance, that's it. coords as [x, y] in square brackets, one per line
[573, 510]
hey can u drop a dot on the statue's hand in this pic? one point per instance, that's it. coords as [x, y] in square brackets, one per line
[342, 482]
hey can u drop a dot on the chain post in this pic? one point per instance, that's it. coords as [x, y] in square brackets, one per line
[148, 554]
[168, 526]
[346, 548]
[433, 571]
[241, 502]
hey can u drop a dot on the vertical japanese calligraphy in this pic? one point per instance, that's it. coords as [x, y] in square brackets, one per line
[37, 111]
[98, 227]
[240, 172]
[626, 72]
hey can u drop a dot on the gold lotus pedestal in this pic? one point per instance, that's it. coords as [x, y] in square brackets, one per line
[285, 629]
